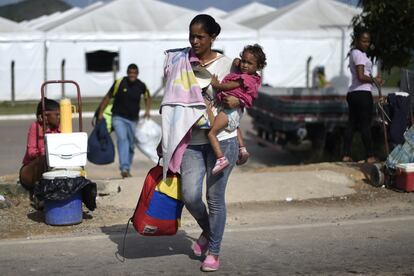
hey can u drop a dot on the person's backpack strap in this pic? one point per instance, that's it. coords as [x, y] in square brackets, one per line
[116, 86]
[107, 113]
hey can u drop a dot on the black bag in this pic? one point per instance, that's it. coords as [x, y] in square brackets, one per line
[101, 149]
[64, 188]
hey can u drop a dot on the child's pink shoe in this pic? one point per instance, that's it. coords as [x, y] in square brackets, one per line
[210, 264]
[221, 164]
[243, 156]
[200, 246]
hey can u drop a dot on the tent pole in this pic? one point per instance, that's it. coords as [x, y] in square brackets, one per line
[62, 73]
[115, 67]
[308, 61]
[45, 60]
[13, 95]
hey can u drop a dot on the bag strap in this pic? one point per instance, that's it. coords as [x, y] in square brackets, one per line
[124, 239]
[116, 86]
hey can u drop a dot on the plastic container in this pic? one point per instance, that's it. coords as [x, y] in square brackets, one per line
[63, 212]
[66, 109]
[404, 179]
[65, 150]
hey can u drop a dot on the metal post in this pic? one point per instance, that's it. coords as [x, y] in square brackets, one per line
[13, 95]
[341, 28]
[308, 61]
[62, 73]
[115, 64]
[45, 60]
[45, 63]
[341, 72]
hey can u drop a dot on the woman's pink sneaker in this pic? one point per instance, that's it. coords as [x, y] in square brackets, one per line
[210, 264]
[200, 246]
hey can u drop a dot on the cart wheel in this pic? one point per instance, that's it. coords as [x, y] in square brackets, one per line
[377, 175]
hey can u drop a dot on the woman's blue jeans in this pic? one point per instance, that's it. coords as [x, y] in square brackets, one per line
[198, 161]
[125, 138]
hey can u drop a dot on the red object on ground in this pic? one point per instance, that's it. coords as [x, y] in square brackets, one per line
[146, 223]
[405, 178]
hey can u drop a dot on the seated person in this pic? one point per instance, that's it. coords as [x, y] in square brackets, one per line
[34, 161]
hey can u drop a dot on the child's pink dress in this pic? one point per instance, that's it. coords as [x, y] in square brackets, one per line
[246, 94]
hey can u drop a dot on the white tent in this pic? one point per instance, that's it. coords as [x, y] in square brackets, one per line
[214, 12]
[306, 28]
[248, 11]
[134, 32]
[67, 16]
[22, 48]
[38, 22]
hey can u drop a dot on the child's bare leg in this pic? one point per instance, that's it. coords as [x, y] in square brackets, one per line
[220, 122]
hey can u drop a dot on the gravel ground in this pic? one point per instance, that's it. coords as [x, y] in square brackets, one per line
[22, 221]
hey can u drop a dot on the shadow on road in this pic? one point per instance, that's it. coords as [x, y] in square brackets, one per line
[137, 247]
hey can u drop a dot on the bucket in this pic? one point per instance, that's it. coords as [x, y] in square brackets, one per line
[63, 212]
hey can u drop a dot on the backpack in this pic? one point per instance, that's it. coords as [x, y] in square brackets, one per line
[159, 207]
[101, 149]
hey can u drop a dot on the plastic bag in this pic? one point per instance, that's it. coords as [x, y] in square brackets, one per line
[148, 135]
[64, 188]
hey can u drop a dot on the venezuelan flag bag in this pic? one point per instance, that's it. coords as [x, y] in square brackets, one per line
[159, 207]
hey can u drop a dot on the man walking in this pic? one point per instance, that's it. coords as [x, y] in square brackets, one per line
[126, 94]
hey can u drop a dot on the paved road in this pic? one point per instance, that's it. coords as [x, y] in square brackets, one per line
[14, 135]
[272, 245]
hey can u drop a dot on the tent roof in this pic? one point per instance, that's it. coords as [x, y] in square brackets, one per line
[304, 15]
[39, 22]
[214, 12]
[8, 26]
[124, 16]
[249, 11]
[66, 17]
[181, 23]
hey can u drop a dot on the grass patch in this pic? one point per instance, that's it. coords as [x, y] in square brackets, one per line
[88, 105]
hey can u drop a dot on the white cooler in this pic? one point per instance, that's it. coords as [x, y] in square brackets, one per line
[66, 150]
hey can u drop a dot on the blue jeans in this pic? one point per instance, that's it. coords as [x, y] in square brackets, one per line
[198, 161]
[125, 138]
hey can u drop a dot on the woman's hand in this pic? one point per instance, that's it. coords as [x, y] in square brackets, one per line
[215, 82]
[230, 101]
[379, 81]
[159, 150]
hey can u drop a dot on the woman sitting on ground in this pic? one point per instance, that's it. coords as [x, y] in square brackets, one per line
[34, 161]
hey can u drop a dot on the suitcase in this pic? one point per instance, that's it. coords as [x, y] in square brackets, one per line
[404, 179]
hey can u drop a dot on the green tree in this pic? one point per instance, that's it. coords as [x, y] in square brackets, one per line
[391, 24]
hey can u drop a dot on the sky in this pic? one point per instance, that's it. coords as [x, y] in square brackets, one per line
[226, 5]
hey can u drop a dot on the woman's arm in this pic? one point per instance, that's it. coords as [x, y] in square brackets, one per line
[367, 79]
[231, 102]
[32, 142]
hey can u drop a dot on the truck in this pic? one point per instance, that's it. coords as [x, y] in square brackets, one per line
[310, 121]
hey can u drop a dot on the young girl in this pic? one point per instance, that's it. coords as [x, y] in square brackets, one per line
[34, 161]
[243, 84]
